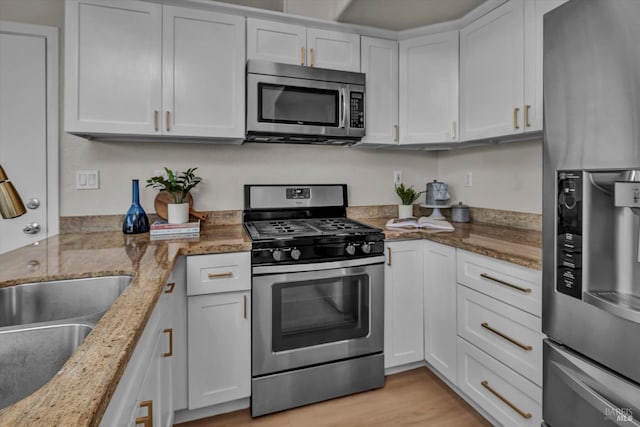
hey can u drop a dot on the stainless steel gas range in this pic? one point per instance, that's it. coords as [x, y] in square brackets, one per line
[318, 297]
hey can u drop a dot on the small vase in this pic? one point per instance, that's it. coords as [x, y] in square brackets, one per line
[405, 211]
[178, 213]
[135, 221]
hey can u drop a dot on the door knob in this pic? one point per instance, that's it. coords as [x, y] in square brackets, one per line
[33, 203]
[32, 228]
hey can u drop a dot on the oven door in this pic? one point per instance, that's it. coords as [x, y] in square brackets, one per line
[329, 311]
[284, 105]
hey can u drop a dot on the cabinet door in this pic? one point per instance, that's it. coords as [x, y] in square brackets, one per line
[429, 89]
[403, 309]
[533, 52]
[333, 50]
[178, 303]
[440, 308]
[491, 73]
[203, 73]
[379, 61]
[149, 400]
[275, 41]
[219, 348]
[112, 66]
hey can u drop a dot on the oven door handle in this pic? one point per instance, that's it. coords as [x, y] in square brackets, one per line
[298, 268]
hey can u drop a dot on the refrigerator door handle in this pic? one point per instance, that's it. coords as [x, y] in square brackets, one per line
[593, 397]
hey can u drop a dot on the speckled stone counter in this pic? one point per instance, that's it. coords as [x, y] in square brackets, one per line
[79, 394]
[516, 245]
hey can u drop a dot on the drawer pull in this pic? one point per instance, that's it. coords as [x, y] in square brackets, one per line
[227, 275]
[502, 282]
[245, 306]
[525, 415]
[389, 257]
[170, 287]
[506, 337]
[147, 420]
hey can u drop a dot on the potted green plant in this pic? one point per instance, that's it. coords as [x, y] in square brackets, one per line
[178, 185]
[407, 196]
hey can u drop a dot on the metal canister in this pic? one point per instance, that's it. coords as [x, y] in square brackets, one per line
[460, 213]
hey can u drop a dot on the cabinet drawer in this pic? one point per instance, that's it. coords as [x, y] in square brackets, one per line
[208, 274]
[507, 396]
[510, 335]
[511, 283]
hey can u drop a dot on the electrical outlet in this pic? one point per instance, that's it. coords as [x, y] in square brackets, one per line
[87, 180]
[397, 177]
[468, 179]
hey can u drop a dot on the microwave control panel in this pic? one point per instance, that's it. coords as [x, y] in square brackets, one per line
[357, 110]
[569, 235]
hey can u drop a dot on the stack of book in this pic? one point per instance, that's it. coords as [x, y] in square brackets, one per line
[161, 230]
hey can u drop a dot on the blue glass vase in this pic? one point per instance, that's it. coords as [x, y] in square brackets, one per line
[135, 221]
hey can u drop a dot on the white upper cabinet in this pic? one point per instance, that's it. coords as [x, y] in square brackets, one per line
[429, 89]
[112, 66]
[492, 73]
[140, 68]
[379, 61]
[203, 73]
[296, 44]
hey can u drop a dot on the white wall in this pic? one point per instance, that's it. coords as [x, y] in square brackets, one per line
[505, 177]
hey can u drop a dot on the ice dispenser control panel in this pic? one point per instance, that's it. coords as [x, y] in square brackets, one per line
[569, 237]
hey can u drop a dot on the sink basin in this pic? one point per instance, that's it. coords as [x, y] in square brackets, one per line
[30, 357]
[57, 300]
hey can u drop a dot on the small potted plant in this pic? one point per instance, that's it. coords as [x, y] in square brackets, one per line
[178, 185]
[407, 196]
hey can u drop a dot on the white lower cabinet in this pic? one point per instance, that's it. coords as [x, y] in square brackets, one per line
[403, 306]
[509, 397]
[144, 392]
[177, 288]
[219, 328]
[440, 308]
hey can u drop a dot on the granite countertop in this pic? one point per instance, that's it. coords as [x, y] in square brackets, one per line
[516, 245]
[80, 393]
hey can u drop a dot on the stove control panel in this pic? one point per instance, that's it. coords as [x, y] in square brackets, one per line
[317, 252]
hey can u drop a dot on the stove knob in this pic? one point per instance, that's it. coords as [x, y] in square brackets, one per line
[277, 254]
[366, 248]
[351, 249]
[295, 253]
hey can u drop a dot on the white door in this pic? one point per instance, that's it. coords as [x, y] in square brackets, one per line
[112, 66]
[333, 49]
[275, 41]
[28, 128]
[403, 306]
[203, 73]
[379, 61]
[492, 73]
[429, 89]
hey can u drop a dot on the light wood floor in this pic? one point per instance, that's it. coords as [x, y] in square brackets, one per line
[411, 398]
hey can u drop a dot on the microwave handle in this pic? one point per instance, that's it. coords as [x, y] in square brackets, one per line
[343, 107]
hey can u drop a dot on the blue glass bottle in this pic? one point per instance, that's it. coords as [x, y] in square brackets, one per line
[135, 221]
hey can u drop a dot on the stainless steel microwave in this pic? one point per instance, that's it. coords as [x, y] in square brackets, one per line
[296, 104]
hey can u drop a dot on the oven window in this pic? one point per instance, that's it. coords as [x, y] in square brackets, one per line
[297, 105]
[320, 311]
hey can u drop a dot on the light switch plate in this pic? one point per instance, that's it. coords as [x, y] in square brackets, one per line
[87, 180]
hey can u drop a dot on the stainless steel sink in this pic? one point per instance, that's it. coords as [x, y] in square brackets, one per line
[42, 324]
[57, 300]
[30, 357]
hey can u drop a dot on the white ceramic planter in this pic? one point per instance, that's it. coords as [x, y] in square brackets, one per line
[178, 213]
[405, 211]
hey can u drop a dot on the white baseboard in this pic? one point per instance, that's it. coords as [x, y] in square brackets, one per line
[409, 366]
[186, 415]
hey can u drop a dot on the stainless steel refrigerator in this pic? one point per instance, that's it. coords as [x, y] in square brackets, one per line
[591, 214]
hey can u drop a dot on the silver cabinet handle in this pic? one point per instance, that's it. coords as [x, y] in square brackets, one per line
[32, 228]
[343, 105]
[33, 203]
